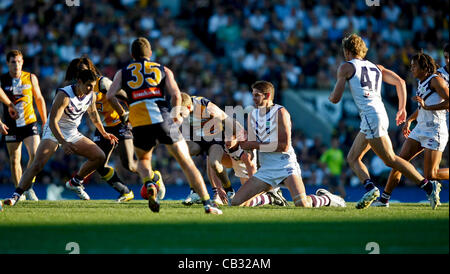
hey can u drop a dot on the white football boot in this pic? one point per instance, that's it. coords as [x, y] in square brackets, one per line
[79, 190]
[335, 200]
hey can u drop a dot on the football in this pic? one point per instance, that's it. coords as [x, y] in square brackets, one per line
[144, 193]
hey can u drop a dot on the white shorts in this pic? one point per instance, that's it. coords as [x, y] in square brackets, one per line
[374, 125]
[431, 139]
[274, 171]
[70, 135]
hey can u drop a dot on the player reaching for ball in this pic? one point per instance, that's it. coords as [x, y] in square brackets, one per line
[69, 105]
[270, 134]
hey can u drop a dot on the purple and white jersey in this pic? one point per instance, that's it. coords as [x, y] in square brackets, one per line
[430, 118]
[365, 86]
[73, 113]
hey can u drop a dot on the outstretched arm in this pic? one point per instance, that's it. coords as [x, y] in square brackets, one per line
[95, 118]
[392, 78]
[113, 90]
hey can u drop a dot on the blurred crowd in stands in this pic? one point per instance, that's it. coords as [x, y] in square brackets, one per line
[217, 48]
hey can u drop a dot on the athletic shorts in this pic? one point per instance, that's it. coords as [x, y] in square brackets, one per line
[167, 133]
[429, 138]
[374, 125]
[18, 134]
[121, 131]
[276, 167]
[206, 145]
[71, 135]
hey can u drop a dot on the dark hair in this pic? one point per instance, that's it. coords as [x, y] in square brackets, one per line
[76, 65]
[86, 75]
[425, 62]
[141, 48]
[447, 48]
[13, 53]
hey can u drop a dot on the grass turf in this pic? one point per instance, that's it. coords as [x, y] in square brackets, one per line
[106, 227]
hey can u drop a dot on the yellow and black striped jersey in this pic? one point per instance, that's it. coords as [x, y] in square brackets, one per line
[108, 115]
[19, 90]
[143, 81]
[200, 116]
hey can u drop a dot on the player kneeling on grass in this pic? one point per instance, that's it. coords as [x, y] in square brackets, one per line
[270, 124]
[69, 105]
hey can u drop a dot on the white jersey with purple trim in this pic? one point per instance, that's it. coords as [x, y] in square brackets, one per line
[274, 166]
[365, 86]
[71, 117]
[430, 118]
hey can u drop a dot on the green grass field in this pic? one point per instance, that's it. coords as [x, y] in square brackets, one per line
[102, 226]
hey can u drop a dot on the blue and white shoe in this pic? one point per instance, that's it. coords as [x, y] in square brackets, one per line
[368, 198]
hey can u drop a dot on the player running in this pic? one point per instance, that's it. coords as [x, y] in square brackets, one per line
[365, 80]
[270, 134]
[69, 105]
[145, 83]
[23, 89]
[430, 135]
[112, 123]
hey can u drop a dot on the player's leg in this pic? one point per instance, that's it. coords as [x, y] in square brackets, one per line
[410, 149]
[126, 154]
[15, 155]
[219, 194]
[194, 150]
[432, 159]
[250, 190]
[31, 144]
[95, 159]
[109, 174]
[180, 151]
[215, 154]
[44, 151]
[382, 146]
[357, 151]
[359, 148]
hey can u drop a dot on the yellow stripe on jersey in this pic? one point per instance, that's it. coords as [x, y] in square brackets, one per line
[24, 100]
[108, 115]
[145, 112]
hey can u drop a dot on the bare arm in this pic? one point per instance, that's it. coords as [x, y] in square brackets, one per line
[59, 104]
[249, 164]
[441, 88]
[392, 78]
[174, 91]
[344, 72]
[113, 90]
[39, 99]
[95, 118]
[11, 108]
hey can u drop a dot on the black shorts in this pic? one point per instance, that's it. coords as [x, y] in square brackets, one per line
[167, 133]
[18, 134]
[121, 131]
[206, 145]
